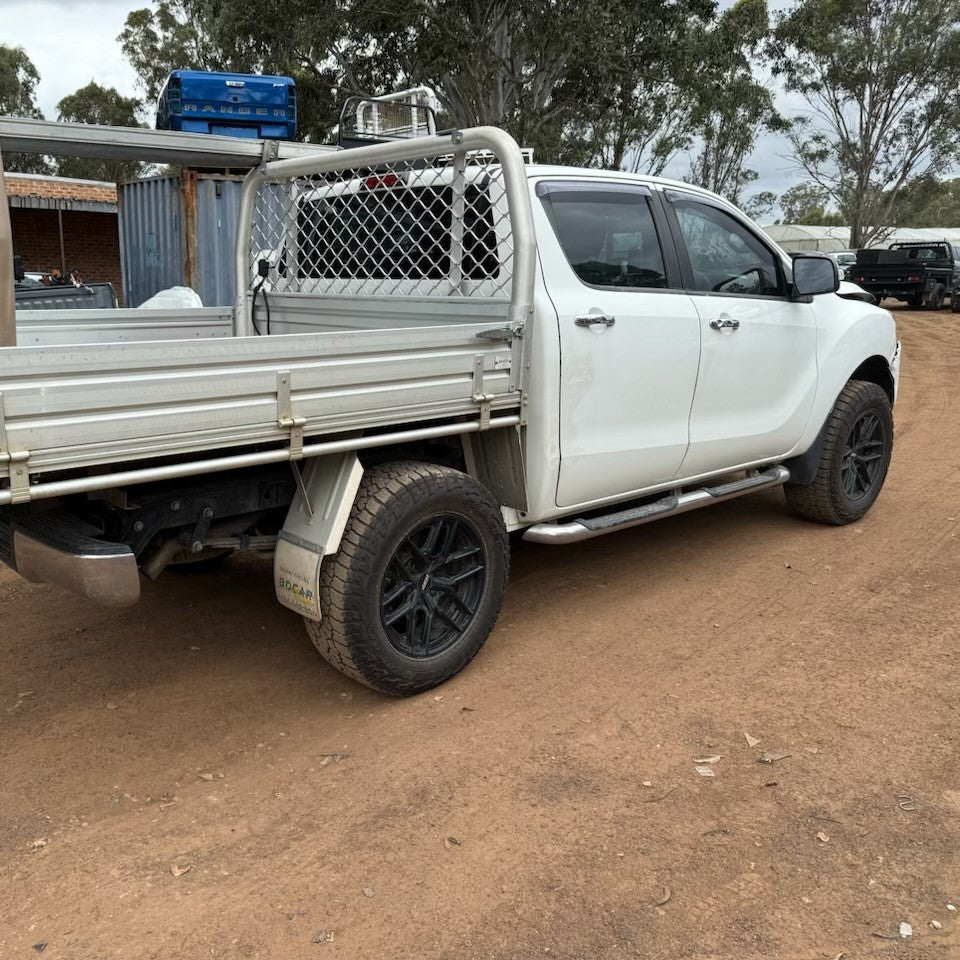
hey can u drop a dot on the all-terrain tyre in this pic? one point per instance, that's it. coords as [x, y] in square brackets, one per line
[854, 459]
[416, 586]
[915, 301]
[955, 301]
[936, 297]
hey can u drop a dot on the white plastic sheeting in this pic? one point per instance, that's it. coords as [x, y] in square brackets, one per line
[173, 298]
[798, 236]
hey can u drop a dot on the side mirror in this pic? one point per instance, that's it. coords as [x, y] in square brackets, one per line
[813, 275]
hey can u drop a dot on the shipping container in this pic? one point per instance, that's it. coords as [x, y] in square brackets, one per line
[179, 230]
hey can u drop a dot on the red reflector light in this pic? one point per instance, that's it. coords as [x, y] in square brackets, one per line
[381, 180]
[858, 277]
[913, 279]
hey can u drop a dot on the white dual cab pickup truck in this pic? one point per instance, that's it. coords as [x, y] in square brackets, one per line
[435, 345]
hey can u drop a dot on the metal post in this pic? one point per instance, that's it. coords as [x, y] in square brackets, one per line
[8, 322]
[457, 206]
[63, 255]
[188, 187]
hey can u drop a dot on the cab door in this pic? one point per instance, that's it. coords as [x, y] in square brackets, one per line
[758, 366]
[629, 337]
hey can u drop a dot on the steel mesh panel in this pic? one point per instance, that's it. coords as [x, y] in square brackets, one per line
[401, 229]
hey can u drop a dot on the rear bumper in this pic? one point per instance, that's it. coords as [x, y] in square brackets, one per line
[63, 550]
[898, 288]
[893, 291]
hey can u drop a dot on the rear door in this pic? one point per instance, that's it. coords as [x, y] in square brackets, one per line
[629, 337]
[758, 366]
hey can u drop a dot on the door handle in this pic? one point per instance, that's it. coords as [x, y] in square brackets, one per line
[725, 323]
[595, 319]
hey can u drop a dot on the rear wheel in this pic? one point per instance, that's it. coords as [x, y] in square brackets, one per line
[854, 460]
[416, 586]
[955, 301]
[935, 301]
[916, 300]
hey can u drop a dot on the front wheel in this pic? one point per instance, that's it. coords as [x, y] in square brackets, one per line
[416, 586]
[854, 460]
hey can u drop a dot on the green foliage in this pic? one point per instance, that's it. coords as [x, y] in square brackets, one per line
[292, 37]
[620, 84]
[732, 106]
[631, 85]
[171, 36]
[807, 203]
[758, 206]
[18, 83]
[502, 62]
[104, 105]
[601, 82]
[928, 202]
[881, 79]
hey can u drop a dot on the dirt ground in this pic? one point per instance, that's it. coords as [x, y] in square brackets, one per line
[188, 779]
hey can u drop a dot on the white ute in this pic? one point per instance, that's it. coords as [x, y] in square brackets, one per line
[435, 344]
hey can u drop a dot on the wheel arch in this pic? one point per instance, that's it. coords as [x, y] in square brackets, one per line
[494, 458]
[875, 369]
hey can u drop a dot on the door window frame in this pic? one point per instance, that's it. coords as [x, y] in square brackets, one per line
[673, 197]
[668, 250]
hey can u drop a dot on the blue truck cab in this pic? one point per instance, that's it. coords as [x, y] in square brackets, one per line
[232, 104]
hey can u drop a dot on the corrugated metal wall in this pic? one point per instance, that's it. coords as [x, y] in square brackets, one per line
[179, 231]
[151, 237]
[218, 201]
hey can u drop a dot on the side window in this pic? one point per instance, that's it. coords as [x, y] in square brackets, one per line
[608, 236]
[725, 256]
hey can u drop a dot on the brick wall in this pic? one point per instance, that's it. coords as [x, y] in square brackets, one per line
[25, 186]
[91, 243]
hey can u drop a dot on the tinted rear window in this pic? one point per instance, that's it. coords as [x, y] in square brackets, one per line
[935, 251]
[395, 233]
[608, 237]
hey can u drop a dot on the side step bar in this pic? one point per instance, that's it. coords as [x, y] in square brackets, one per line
[680, 503]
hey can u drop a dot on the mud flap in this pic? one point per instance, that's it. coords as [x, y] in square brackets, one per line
[313, 528]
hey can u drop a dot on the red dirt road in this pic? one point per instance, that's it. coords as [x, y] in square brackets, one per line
[507, 814]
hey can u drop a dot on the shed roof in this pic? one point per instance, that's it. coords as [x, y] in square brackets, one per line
[37, 192]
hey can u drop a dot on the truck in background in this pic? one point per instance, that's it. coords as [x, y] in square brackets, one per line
[918, 273]
[38, 291]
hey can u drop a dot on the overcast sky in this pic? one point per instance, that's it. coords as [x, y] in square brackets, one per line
[74, 41]
[71, 42]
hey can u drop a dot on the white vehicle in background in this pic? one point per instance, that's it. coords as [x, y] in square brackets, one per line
[844, 260]
[453, 350]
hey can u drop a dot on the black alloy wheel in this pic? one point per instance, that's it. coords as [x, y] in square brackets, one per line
[414, 590]
[433, 586]
[863, 457]
[854, 451]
